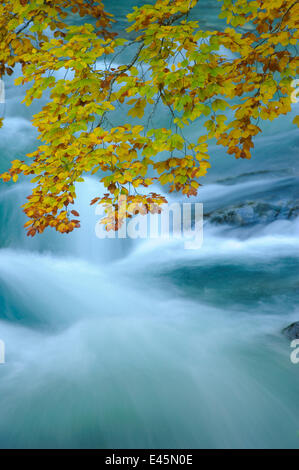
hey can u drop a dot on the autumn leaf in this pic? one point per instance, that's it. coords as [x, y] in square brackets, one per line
[225, 81]
[75, 213]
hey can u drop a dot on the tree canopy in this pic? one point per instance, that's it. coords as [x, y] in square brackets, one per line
[231, 79]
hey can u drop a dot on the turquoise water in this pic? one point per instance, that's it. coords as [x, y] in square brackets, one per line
[127, 344]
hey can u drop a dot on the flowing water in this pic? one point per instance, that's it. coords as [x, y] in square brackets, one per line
[123, 343]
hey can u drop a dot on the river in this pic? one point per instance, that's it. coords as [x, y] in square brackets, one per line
[144, 344]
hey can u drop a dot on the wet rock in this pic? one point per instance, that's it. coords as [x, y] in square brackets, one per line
[254, 212]
[292, 331]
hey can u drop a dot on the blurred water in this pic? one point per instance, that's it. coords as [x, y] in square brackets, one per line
[115, 344]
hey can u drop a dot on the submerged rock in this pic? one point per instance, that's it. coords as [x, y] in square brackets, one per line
[292, 331]
[254, 212]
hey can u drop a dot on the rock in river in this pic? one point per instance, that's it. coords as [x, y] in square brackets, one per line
[292, 331]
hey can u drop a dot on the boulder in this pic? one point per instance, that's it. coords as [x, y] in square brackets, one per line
[251, 213]
[292, 331]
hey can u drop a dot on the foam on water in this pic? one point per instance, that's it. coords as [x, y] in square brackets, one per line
[96, 360]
